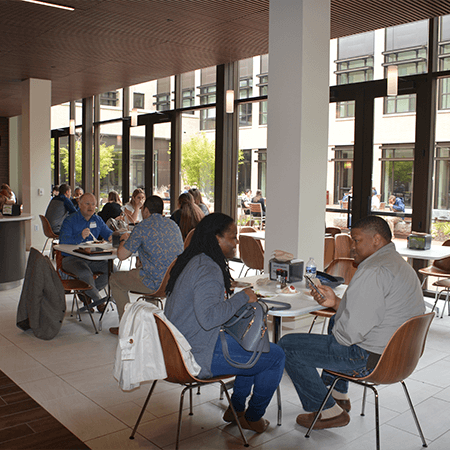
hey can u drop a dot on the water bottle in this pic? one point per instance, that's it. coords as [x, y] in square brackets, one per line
[311, 269]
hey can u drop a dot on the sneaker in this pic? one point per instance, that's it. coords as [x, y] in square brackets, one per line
[305, 420]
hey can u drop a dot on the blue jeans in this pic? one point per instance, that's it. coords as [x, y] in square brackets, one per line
[264, 376]
[307, 352]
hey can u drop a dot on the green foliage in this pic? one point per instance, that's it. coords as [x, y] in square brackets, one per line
[198, 162]
[441, 231]
[106, 160]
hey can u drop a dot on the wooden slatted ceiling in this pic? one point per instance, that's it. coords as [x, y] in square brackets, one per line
[106, 44]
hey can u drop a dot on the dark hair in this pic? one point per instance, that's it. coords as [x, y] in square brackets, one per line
[63, 189]
[113, 196]
[191, 214]
[258, 196]
[205, 241]
[154, 204]
[375, 224]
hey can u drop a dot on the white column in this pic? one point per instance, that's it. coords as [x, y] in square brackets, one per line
[299, 39]
[36, 155]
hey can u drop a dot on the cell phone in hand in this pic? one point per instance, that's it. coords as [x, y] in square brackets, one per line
[313, 286]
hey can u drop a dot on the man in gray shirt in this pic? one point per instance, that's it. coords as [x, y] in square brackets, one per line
[59, 208]
[384, 293]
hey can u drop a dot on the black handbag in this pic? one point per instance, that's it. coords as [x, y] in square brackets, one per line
[248, 327]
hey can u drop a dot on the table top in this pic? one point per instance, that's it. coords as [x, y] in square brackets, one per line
[24, 216]
[301, 302]
[434, 253]
[69, 248]
[258, 235]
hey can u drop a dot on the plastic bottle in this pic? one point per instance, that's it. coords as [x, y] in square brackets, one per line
[311, 269]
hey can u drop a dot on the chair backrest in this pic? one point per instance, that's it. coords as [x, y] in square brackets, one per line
[188, 238]
[161, 291]
[342, 246]
[333, 230]
[251, 252]
[444, 263]
[403, 351]
[247, 230]
[176, 369]
[47, 228]
[255, 207]
[342, 267]
[328, 251]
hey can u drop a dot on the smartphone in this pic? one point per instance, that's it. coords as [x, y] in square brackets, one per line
[313, 286]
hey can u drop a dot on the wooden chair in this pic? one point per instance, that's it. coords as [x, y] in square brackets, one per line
[439, 268]
[342, 267]
[160, 294]
[188, 239]
[328, 251]
[74, 286]
[342, 246]
[48, 232]
[398, 361]
[256, 213]
[178, 373]
[251, 254]
[333, 230]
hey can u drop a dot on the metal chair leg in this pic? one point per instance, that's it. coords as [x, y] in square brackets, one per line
[411, 407]
[143, 410]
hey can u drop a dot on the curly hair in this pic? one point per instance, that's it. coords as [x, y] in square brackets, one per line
[205, 241]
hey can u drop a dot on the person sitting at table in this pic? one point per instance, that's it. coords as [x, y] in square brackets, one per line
[396, 204]
[59, 208]
[11, 195]
[83, 226]
[195, 304]
[188, 214]
[383, 294]
[133, 209]
[375, 200]
[198, 200]
[77, 193]
[258, 198]
[113, 208]
[158, 241]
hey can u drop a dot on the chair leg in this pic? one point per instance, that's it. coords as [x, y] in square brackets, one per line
[45, 245]
[179, 416]
[411, 407]
[363, 406]
[88, 309]
[312, 324]
[322, 406]
[224, 388]
[143, 410]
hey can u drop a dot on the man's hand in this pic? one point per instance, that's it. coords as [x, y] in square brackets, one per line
[85, 233]
[331, 300]
[252, 298]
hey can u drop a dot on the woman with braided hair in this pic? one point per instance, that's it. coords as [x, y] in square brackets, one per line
[200, 300]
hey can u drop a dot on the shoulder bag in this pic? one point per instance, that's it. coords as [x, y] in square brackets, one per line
[248, 327]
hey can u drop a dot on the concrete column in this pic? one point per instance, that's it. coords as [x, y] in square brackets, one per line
[299, 39]
[35, 155]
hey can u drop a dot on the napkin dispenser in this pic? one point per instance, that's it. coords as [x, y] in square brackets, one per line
[419, 241]
[12, 210]
[293, 268]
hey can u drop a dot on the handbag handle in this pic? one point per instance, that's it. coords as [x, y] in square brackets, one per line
[248, 364]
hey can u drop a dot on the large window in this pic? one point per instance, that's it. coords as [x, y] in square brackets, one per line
[406, 47]
[444, 63]
[208, 96]
[263, 88]
[442, 177]
[245, 91]
[343, 172]
[354, 65]
[110, 98]
[162, 96]
[397, 172]
[138, 100]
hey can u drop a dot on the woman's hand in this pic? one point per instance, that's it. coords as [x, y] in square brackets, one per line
[252, 298]
[330, 300]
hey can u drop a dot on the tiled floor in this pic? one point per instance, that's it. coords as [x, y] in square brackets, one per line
[71, 376]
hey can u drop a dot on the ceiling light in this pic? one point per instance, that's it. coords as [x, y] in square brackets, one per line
[392, 80]
[53, 5]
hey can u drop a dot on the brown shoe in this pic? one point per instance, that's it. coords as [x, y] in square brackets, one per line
[259, 426]
[305, 420]
[114, 330]
[344, 404]
[229, 417]
[101, 308]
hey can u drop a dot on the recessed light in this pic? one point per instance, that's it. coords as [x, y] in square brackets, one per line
[53, 5]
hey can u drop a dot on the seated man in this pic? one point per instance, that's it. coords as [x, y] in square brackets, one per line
[59, 208]
[82, 227]
[384, 293]
[158, 241]
[77, 193]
